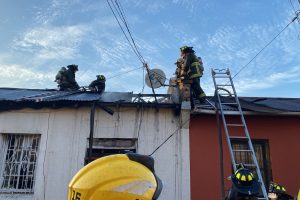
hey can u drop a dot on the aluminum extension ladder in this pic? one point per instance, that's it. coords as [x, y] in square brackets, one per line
[226, 96]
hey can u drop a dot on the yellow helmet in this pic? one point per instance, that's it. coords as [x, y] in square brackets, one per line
[116, 177]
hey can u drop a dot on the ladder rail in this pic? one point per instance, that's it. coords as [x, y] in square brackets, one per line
[249, 141]
[244, 125]
[224, 122]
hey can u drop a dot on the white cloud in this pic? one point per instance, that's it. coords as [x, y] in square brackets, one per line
[52, 42]
[16, 76]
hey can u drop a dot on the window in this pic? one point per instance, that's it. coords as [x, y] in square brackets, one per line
[108, 146]
[261, 148]
[18, 162]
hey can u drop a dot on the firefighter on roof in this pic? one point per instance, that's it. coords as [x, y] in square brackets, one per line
[98, 85]
[65, 78]
[193, 70]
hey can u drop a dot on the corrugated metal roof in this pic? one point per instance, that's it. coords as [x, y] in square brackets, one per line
[256, 104]
[15, 94]
[19, 97]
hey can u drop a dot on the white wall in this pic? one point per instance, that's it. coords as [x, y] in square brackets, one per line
[63, 144]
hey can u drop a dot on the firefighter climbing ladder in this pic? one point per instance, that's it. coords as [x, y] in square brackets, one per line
[226, 96]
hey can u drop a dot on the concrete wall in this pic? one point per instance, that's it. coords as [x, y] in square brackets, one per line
[63, 144]
[282, 133]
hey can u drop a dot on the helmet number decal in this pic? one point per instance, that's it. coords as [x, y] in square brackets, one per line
[75, 195]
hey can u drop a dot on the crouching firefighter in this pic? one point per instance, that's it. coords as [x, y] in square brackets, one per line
[244, 185]
[193, 70]
[65, 78]
[98, 85]
[116, 177]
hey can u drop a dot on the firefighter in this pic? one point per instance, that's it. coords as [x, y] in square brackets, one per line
[193, 70]
[120, 176]
[65, 78]
[278, 192]
[98, 85]
[179, 71]
[244, 185]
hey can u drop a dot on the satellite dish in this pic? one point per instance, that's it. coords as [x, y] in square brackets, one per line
[157, 77]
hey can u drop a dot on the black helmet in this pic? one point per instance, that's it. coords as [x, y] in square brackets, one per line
[275, 188]
[244, 181]
[73, 67]
[186, 49]
[101, 77]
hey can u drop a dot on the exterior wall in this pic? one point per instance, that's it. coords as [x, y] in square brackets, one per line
[282, 133]
[63, 144]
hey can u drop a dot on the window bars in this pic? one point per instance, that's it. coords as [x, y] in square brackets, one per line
[18, 162]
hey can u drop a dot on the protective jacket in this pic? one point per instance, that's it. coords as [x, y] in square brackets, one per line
[97, 86]
[193, 66]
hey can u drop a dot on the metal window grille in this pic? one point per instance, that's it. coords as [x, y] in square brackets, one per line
[18, 165]
[261, 152]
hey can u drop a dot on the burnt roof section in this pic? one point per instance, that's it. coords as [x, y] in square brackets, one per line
[263, 105]
[16, 98]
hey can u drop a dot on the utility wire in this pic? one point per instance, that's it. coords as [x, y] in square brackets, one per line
[266, 45]
[171, 135]
[134, 50]
[120, 74]
[292, 5]
[116, 5]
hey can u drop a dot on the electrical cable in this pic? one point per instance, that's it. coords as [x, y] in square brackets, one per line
[266, 45]
[126, 72]
[179, 127]
[292, 5]
[124, 32]
[118, 9]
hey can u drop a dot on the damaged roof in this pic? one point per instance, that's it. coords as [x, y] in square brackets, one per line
[16, 98]
[11, 98]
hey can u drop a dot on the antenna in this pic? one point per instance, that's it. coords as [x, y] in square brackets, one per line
[157, 77]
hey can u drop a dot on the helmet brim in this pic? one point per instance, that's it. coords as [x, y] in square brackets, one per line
[252, 189]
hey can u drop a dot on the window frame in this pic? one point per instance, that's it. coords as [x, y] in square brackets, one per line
[18, 163]
[265, 155]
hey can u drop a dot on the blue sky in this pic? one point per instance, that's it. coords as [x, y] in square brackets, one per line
[39, 37]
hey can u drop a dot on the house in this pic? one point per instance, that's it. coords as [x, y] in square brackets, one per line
[273, 124]
[46, 136]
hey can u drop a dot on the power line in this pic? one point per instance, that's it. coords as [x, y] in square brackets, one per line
[171, 135]
[134, 50]
[116, 5]
[126, 72]
[292, 5]
[266, 45]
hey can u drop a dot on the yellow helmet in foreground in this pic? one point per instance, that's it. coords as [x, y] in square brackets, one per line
[116, 177]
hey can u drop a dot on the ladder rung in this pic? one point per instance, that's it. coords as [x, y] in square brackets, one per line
[222, 76]
[242, 150]
[229, 103]
[238, 137]
[223, 85]
[240, 125]
[226, 94]
[247, 165]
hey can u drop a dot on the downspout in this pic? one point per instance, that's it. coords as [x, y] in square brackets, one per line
[92, 120]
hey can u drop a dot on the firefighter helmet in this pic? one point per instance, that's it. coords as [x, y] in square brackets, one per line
[275, 188]
[73, 67]
[244, 181]
[101, 77]
[119, 176]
